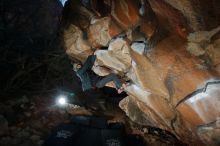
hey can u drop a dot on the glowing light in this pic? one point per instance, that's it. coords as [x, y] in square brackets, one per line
[63, 2]
[62, 100]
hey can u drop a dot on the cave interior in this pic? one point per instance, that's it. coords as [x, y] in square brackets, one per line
[166, 53]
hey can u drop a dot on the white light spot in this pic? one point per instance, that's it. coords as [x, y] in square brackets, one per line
[63, 2]
[62, 100]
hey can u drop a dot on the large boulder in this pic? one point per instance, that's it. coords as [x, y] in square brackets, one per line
[75, 45]
[102, 31]
[117, 57]
[148, 102]
[129, 106]
[182, 57]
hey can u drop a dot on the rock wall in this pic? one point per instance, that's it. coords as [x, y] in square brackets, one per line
[168, 55]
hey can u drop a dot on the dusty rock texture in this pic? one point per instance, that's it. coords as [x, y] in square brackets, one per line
[29, 120]
[175, 77]
[104, 29]
[77, 46]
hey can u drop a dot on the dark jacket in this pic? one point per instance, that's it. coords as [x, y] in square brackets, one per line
[83, 73]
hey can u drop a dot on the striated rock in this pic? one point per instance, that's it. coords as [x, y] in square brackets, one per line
[148, 28]
[170, 18]
[75, 45]
[117, 56]
[128, 105]
[147, 75]
[197, 109]
[198, 13]
[187, 9]
[184, 16]
[165, 78]
[102, 31]
[156, 108]
[177, 68]
[201, 107]
[125, 12]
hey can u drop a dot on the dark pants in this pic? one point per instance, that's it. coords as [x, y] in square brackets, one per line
[106, 79]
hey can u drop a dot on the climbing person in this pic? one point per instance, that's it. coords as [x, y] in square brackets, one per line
[91, 80]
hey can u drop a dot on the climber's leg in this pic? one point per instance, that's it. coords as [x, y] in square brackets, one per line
[109, 78]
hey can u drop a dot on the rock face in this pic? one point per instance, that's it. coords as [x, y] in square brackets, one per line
[198, 41]
[104, 29]
[200, 44]
[117, 56]
[175, 81]
[76, 46]
[125, 12]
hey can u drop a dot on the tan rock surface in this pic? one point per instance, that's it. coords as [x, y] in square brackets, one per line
[170, 18]
[102, 31]
[213, 51]
[217, 68]
[186, 8]
[75, 45]
[148, 28]
[125, 12]
[129, 106]
[116, 57]
[177, 68]
[198, 41]
[147, 75]
[148, 103]
[164, 78]
[202, 107]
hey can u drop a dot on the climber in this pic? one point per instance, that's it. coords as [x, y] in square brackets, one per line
[90, 80]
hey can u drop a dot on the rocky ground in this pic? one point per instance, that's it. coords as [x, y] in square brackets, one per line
[166, 49]
[27, 121]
